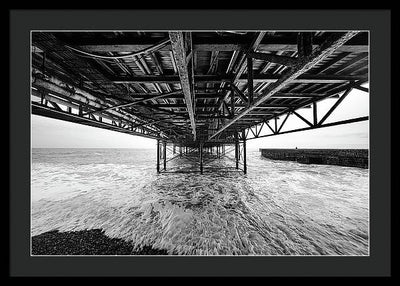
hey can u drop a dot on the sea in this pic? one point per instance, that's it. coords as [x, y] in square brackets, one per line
[278, 208]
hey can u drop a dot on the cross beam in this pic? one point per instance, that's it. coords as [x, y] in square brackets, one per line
[186, 79]
[306, 78]
[303, 65]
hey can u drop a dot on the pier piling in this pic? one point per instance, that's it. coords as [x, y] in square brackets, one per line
[165, 154]
[244, 153]
[201, 158]
[158, 156]
[237, 154]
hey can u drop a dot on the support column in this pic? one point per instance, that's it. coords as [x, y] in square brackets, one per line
[158, 155]
[244, 153]
[180, 151]
[201, 157]
[237, 150]
[165, 154]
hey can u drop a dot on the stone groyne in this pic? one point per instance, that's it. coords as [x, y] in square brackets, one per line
[340, 157]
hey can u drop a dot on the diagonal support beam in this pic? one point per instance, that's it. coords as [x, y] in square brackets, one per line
[254, 133]
[283, 123]
[259, 130]
[344, 95]
[304, 64]
[179, 51]
[302, 118]
[282, 60]
[241, 95]
[134, 102]
[269, 126]
[362, 88]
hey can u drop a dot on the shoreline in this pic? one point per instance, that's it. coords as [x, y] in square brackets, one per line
[86, 242]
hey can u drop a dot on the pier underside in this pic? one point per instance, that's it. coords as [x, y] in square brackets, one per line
[202, 158]
[199, 94]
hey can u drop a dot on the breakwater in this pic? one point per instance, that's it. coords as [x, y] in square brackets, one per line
[340, 157]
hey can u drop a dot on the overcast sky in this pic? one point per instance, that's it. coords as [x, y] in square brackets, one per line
[52, 133]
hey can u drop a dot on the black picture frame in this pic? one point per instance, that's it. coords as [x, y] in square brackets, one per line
[378, 22]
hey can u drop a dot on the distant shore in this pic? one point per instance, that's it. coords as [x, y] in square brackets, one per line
[340, 157]
[86, 242]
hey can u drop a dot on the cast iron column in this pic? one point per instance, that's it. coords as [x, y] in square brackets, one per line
[244, 152]
[158, 155]
[237, 150]
[165, 154]
[201, 158]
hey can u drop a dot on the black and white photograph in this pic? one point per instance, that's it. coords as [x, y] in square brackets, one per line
[219, 143]
[201, 143]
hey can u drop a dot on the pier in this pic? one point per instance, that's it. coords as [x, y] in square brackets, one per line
[200, 95]
[340, 157]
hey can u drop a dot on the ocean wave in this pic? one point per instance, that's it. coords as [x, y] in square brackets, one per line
[275, 209]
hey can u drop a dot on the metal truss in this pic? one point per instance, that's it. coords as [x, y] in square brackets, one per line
[254, 131]
[182, 91]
